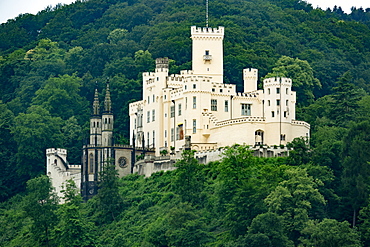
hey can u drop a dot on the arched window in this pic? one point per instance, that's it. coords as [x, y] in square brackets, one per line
[91, 163]
[258, 137]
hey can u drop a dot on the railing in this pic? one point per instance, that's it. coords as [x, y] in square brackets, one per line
[207, 57]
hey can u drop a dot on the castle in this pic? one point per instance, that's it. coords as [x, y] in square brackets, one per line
[194, 109]
[198, 104]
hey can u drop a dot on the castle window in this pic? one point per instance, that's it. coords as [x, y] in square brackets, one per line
[141, 120]
[135, 123]
[153, 138]
[277, 102]
[181, 131]
[272, 114]
[147, 138]
[226, 106]
[220, 90]
[172, 111]
[153, 98]
[179, 110]
[213, 104]
[194, 86]
[268, 90]
[165, 96]
[93, 124]
[194, 126]
[282, 137]
[213, 90]
[194, 102]
[268, 103]
[165, 134]
[186, 103]
[186, 87]
[172, 134]
[207, 56]
[153, 115]
[277, 90]
[285, 114]
[287, 102]
[97, 124]
[286, 90]
[258, 137]
[148, 100]
[148, 117]
[91, 163]
[157, 78]
[246, 109]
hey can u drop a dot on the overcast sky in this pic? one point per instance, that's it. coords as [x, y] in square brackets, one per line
[12, 8]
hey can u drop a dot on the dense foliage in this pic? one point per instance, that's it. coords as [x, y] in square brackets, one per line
[51, 62]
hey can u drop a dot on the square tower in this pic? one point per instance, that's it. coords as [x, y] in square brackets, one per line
[207, 54]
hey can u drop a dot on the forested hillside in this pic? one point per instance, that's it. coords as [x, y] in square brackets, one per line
[51, 62]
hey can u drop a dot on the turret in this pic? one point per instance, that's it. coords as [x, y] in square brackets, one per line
[95, 122]
[279, 100]
[107, 119]
[250, 77]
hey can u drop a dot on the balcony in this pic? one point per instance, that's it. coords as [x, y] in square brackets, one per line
[207, 57]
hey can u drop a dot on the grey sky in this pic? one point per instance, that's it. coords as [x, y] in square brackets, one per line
[10, 9]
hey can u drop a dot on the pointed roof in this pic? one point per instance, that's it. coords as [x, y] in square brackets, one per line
[96, 103]
[107, 100]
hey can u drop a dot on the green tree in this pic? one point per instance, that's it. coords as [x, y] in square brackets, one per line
[345, 100]
[41, 203]
[302, 75]
[7, 150]
[268, 226]
[300, 154]
[356, 169]
[185, 228]
[294, 198]
[330, 233]
[60, 97]
[34, 132]
[73, 229]
[108, 203]
[188, 181]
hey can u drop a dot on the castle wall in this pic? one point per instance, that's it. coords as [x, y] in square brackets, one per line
[59, 171]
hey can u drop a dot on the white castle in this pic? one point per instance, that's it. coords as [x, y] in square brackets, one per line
[191, 110]
[197, 103]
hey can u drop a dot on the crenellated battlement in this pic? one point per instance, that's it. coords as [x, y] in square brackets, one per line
[186, 72]
[149, 74]
[207, 31]
[277, 81]
[246, 95]
[56, 150]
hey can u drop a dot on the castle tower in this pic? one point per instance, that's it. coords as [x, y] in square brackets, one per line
[95, 122]
[107, 120]
[207, 53]
[250, 77]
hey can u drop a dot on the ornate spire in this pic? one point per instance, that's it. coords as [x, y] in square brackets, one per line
[107, 100]
[96, 103]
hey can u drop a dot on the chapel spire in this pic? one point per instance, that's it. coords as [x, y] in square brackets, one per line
[107, 100]
[96, 103]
